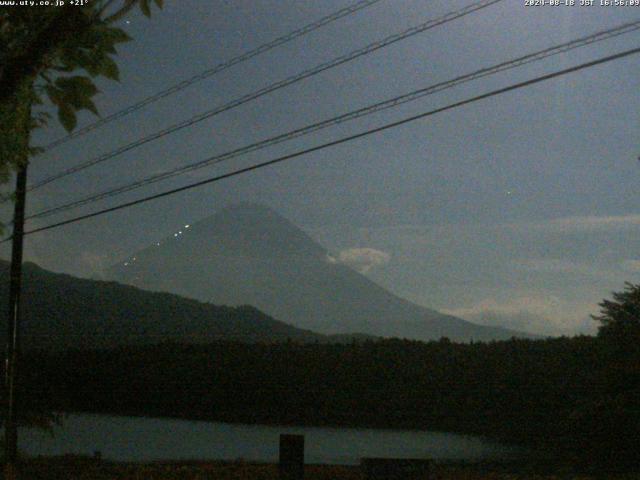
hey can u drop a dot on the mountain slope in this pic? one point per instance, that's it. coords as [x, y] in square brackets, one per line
[249, 254]
[61, 311]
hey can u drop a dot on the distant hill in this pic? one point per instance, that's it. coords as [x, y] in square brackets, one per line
[249, 254]
[61, 311]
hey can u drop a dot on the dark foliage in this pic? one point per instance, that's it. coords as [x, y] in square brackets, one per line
[572, 397]
[61, 311]
[578, 398]
[620, 318]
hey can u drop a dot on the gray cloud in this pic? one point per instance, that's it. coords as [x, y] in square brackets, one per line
[362, 259]
[631, 265]
[564, 266]
[575, 224]
[543, 315]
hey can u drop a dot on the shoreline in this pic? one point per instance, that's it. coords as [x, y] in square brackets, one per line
[84, 468]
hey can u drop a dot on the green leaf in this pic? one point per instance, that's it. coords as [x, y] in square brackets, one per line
[89, 105]
[108, 34]
[37, 98]
[67, 117]
[92, 62]
[33, 151]
[110, 69]
[144, 6]
[54, 94]
[117, 35]
[76, 87]
[71, 94]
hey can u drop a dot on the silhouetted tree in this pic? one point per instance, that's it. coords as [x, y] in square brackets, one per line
[620, 318]
[54, 52]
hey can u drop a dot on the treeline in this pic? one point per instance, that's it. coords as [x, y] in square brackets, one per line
[579, 397]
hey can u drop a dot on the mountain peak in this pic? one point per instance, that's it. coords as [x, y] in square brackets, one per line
[250, 231]
[249, 254]
[255, 229]
[248, 209]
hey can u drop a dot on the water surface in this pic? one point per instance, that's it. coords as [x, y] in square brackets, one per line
[146, 439]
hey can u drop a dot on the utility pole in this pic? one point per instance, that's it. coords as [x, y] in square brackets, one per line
[13, 326]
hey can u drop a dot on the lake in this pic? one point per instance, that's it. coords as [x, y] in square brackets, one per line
[145, 439]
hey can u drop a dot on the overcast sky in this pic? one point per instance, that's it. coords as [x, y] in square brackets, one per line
[522, 209]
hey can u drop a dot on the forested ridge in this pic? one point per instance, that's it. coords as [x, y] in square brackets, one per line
[579, 396]
[60, 311]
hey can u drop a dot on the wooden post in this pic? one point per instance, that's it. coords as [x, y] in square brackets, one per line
[291, 466]
[13, 327]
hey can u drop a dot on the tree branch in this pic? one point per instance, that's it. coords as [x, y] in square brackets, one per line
[126, 8]
[68, 22]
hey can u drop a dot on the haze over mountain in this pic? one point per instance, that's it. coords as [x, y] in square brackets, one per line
[249, 254]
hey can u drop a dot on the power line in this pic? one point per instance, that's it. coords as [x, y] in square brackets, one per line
[349, 138]
[377, 107]
[216, 69]
[273, 87]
